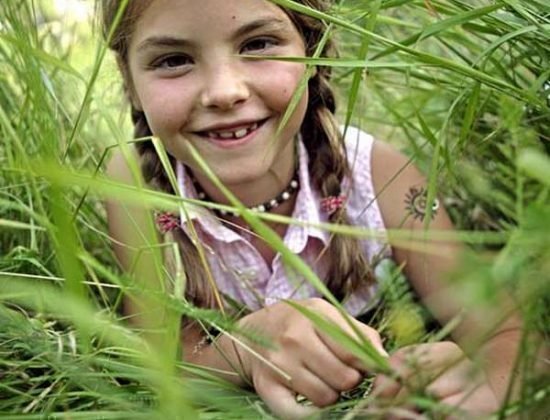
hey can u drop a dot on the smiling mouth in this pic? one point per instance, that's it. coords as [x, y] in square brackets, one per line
[233, 134]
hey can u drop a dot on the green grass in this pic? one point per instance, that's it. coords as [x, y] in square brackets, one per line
[461, 86]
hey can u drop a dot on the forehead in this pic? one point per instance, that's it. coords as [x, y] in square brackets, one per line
[195, 17]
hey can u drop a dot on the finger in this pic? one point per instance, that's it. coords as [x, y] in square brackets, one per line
[405, 400]
[282, 401]
[421, 364]
[373, 336]
[445, 386]
[430, 356]
[348, 357]
[389, 393]
[396, 386]
[314, 388]
[395, 389]
[480, 401]
[385, 387]
[463, 383]
[409, 380]
[456, 379]
[339, 376]
[464, 376]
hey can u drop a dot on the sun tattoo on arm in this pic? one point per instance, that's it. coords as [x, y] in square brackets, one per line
[416, 203]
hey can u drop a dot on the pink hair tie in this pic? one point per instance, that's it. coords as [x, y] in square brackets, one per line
[167, 222]
[332, 203]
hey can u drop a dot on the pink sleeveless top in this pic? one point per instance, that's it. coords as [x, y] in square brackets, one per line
[243, 275]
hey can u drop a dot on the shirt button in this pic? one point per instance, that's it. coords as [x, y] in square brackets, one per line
[247, 274]
[270, 301]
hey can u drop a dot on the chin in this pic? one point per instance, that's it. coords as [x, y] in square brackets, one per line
[231, 177]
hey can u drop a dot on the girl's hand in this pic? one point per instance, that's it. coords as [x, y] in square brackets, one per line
[314, 365]
[442, 370]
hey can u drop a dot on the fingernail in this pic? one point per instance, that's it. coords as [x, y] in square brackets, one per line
[383, 352]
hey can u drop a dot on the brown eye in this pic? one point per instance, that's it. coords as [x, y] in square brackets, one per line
[171, 62]
[259, 44]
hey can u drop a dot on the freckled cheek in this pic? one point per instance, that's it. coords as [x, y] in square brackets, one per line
[166, 107]
[281, 82]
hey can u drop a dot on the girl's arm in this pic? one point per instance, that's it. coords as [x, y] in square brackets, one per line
[494, 332]
[136, 243]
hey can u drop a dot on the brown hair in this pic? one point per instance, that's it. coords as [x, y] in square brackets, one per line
[328, 164]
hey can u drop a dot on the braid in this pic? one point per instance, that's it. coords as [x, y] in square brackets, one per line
[197, 290]
[151, 167]
[328, 165]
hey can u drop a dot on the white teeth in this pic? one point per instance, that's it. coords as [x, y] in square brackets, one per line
[241, 133]
[225, 134]
[233, 134]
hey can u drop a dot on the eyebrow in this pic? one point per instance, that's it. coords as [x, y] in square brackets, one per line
[269, 23]
[162, 41]
[265, 23]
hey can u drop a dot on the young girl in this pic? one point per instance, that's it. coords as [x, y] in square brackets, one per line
[189, 82]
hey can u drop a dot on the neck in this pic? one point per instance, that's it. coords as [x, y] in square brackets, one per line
[274, 191]
[281, 203]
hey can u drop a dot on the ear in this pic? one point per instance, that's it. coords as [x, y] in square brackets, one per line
[128, 83]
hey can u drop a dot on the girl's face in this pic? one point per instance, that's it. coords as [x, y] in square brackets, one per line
[191, 81]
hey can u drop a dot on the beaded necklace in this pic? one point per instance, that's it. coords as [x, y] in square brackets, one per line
[266, 206]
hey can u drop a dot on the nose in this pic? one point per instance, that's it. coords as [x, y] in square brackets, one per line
[225, 87]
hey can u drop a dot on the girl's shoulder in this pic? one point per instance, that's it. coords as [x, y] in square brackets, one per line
[120, 168]
[387, 174]
[401, 191]
[395, 177]
[128, 222]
